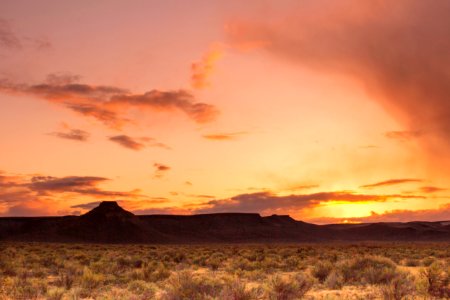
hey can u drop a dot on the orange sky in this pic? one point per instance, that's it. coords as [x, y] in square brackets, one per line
[328, 111]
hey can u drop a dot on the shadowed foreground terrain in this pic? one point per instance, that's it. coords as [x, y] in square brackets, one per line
[109, 223]
[226, 272]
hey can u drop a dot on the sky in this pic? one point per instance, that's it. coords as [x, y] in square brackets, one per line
[329, 111]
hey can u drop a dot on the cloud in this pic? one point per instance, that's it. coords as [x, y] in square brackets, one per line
[201, 70]
[399, 50]
[432, 189]
[223, 136]
[160, 170]
[8, 39]
[440, 214]
[41, 43]
[298, 187]
[73, 134]
[30, 208]
[369, 147]
[268, 202]
[202, 196]
[161, 167]
[108, 104]
[127, 142]
[391, 182]
[403, 135]
[62, 78]
[137, 143]
[34, 192]
[86, 185]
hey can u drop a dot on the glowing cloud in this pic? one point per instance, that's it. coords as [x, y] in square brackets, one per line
[201, 70]
[400, 51]
[223, 136]
[109, 104]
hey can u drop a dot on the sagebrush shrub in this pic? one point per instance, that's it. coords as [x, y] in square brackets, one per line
[321, 270]
[90, 280]
[410, 262]
[401, 286]
[438, 279]
[237, 290]
[155, 272]
[428, 261]
[144, 289]
[184, 285]
[66, 278]
[334, 281]
[367, 269]
[55, 293]
[283, 289]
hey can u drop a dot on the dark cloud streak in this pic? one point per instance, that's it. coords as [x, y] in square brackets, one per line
[391, 182]
[72, 134]
[127, 142]
[108, 104]
[8, 39]
[268, 202]
[137, 143]
[160, 170]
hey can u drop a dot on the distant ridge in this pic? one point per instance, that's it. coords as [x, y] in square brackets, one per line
[110, 223]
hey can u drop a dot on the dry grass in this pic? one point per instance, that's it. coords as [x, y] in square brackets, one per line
[229, 272]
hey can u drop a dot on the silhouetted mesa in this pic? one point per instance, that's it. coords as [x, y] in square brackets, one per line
[108, 209]
[110, 223]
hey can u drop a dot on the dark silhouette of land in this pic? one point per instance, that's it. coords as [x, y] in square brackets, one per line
[109, 223]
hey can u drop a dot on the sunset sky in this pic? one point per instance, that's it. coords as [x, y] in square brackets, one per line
[329, 111]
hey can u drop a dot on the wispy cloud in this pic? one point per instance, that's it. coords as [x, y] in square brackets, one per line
[392, 182]
[86, 185]
[224, 136]
[13, 41]
[8, 38]
[403, 135]
[72, 134]
[432, 189]
[369, 147]
[298, 187]
[160, 170]
[201, 70]
[127, 142]
[137, 143]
